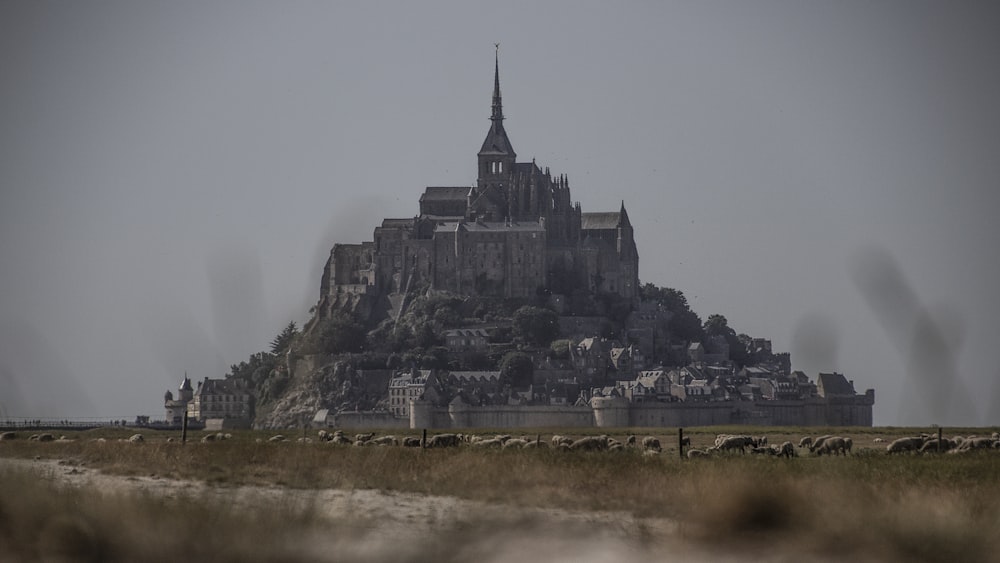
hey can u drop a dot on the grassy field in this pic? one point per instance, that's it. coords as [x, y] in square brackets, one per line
[869, 505]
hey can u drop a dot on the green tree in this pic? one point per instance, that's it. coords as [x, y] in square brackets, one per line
[281, 342]
[343, 335]
[536, 326]
[517, 368]
[560, 349]
[684, 324]
[718, 326]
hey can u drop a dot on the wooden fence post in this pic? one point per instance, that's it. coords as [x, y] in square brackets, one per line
[184, 428]
[680, 441]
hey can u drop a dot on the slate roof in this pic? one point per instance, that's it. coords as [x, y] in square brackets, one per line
[835, 384]
[600, 220]
[445, 193]
[396, 223]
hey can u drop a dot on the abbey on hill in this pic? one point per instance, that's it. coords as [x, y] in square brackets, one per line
[516, 232]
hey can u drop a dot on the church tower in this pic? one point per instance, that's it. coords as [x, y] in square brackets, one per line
[490, 199]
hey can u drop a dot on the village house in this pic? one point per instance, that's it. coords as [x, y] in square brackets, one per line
[465, 339]
[220, 399]
[408, 385]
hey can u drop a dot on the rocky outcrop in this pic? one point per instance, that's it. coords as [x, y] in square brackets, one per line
[321, 382]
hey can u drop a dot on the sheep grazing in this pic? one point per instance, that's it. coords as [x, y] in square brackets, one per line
[490, 443]
[8, 436]
[806, 442]
[364, 437]
[536, 444]
[695, 453]
[208, 438]
[733, 443]
[932, 445]
[832, 445]
[514, 443]
[443, 441]
[385, 441]
[786, 449]
[908, 444]
[276, 438]
[590, 443]
[630, 440]
[686, 441]
[651, 443]
[411, 442]
[976, 444]
[848, 444]
[819, 442]
[878, 440]
[762, 450]
[339, 438]
[134, 438]
[558, 440]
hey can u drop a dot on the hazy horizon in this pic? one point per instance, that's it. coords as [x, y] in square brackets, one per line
[173, 176]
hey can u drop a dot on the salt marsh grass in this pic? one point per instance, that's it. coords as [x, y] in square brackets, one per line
[868, 505]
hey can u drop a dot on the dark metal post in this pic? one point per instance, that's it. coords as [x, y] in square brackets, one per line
[184, 428]
[680, 441]
[423, 440]
[939, 440]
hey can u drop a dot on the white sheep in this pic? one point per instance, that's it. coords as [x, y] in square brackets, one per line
[786, 449]
[443, 441]
[590, 443]
[695, 453]
[907, 444]
[490, 443]
[832, 445]
[134, 438]
[651, 443]
[514, 443]
[733, 443]
[559, 440]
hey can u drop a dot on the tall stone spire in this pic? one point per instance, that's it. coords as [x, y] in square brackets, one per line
[497, 143]
[497, 104]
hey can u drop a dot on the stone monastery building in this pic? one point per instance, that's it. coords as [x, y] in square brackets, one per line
[514, 233]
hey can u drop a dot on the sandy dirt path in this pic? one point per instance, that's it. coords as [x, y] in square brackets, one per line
[381, 524]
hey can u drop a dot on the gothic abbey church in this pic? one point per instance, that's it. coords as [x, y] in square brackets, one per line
[513, 234]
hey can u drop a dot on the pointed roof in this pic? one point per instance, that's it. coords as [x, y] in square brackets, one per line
[497, 141]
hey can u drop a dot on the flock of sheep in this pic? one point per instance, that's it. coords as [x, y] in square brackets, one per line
[649, 445]
[930, 443]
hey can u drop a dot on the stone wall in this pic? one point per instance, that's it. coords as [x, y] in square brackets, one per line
[615, 412]
[362, 419]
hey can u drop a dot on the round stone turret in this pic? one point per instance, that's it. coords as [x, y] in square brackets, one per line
[610, 412]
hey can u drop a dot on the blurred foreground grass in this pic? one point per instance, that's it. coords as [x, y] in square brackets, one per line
[869, 505]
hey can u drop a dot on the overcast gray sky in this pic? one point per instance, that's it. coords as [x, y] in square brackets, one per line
[173, 174]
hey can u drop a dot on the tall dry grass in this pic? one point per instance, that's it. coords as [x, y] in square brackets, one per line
[869, 505]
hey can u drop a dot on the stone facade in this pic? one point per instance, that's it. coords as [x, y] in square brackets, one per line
[514, 233]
